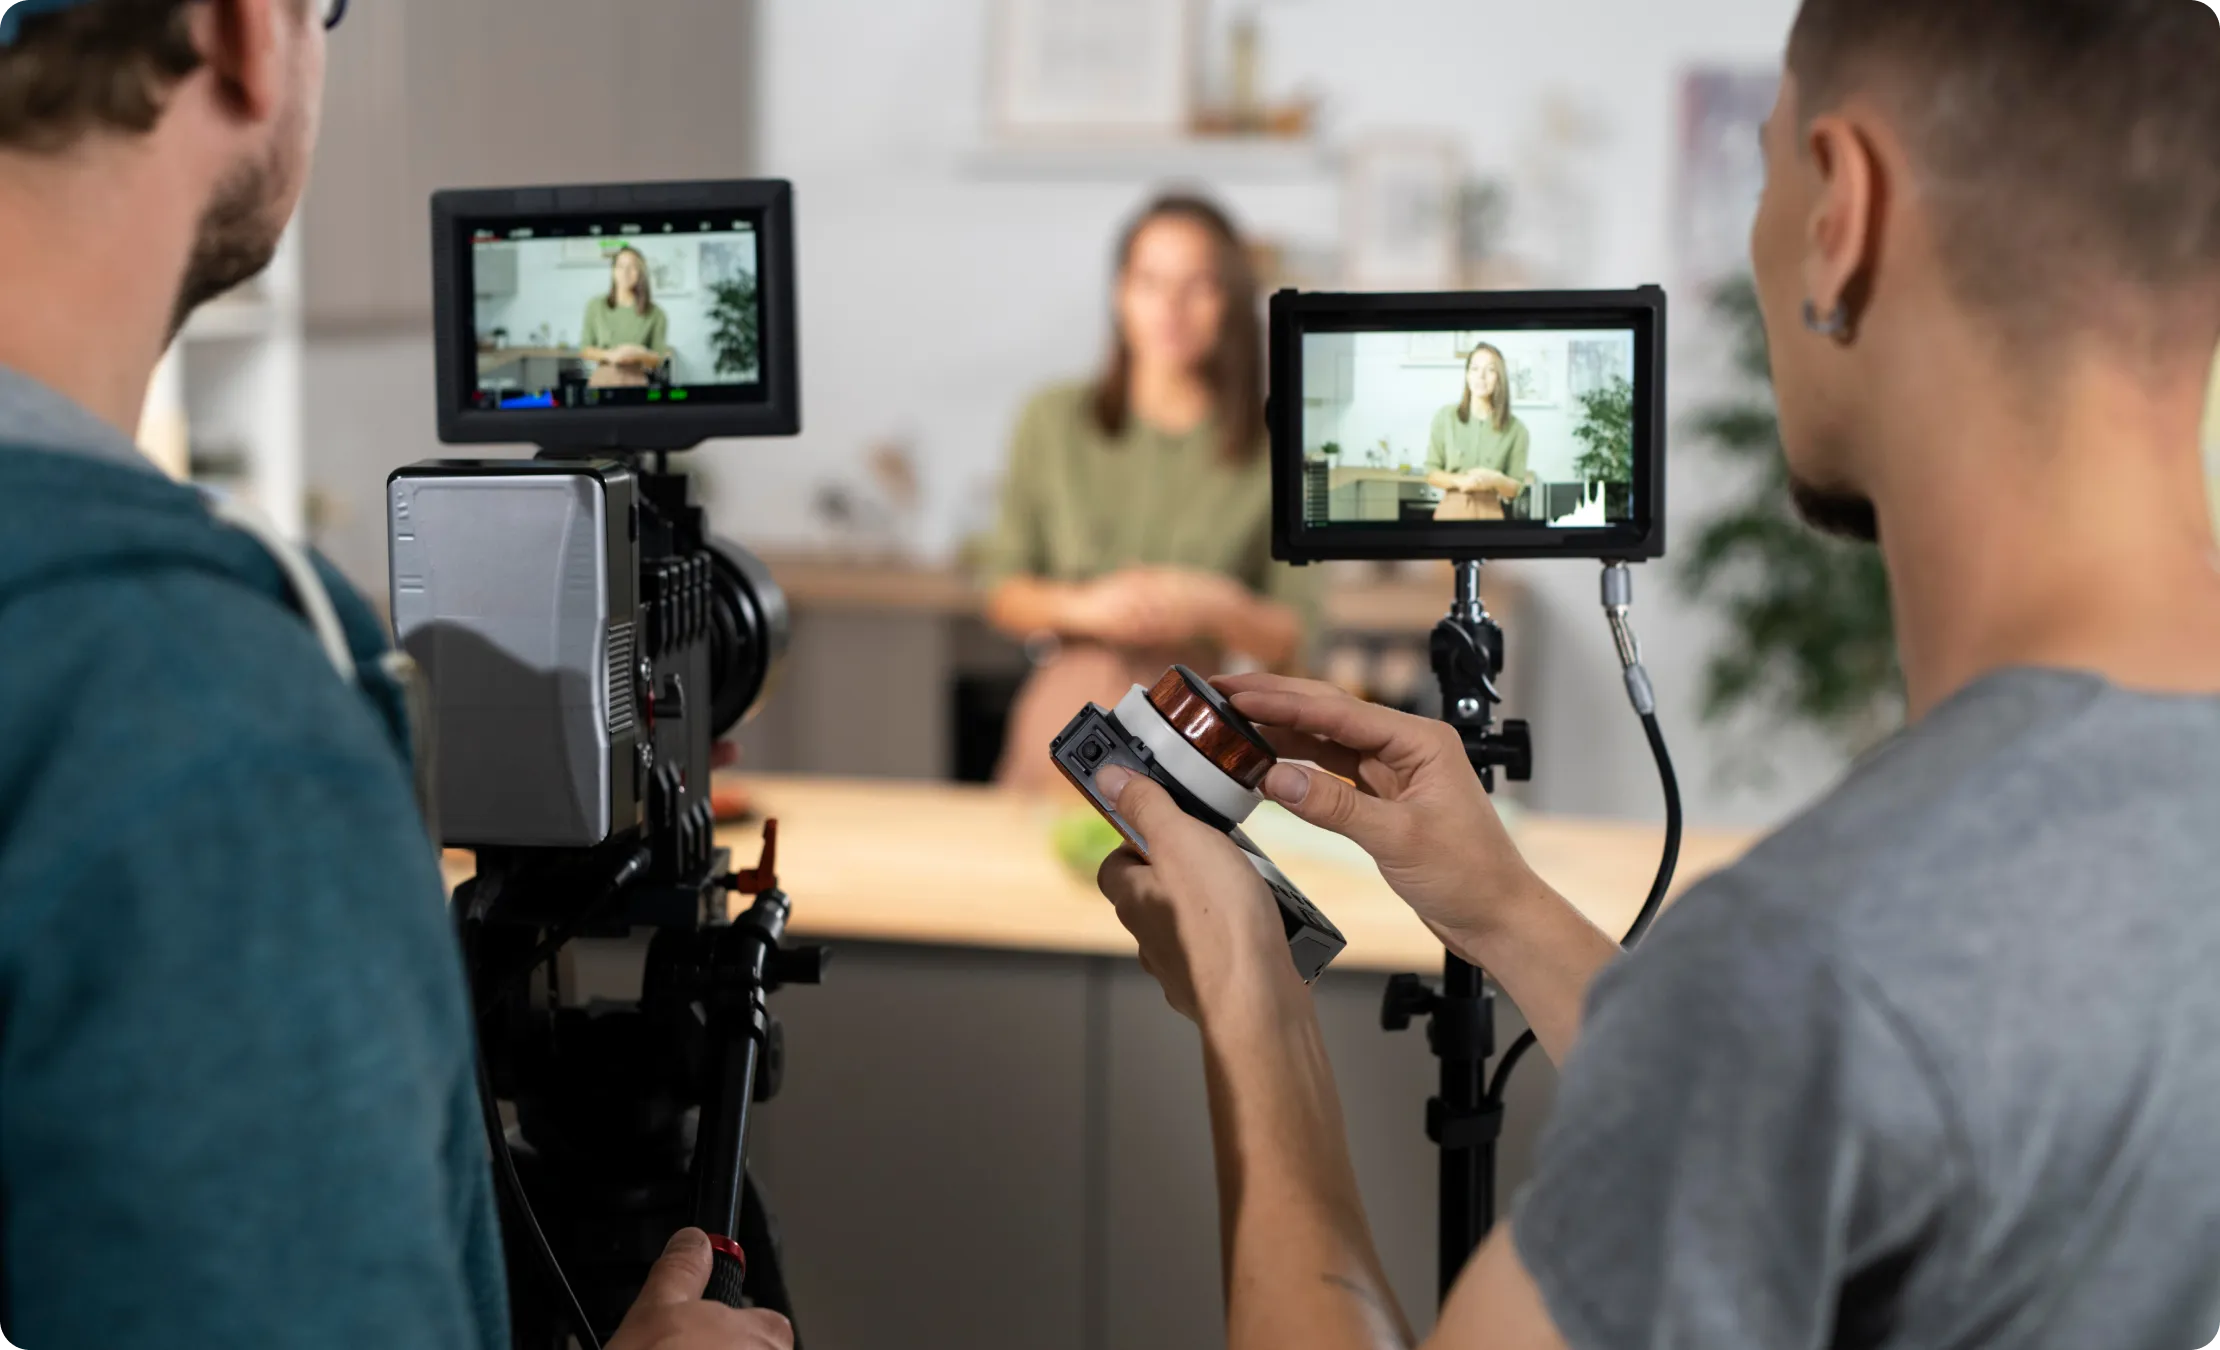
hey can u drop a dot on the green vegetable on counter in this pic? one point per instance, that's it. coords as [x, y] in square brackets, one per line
[1083, 840]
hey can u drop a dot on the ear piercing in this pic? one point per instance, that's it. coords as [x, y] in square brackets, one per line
[1835, 325]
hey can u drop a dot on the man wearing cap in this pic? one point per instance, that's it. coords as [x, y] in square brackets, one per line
[237, 1093]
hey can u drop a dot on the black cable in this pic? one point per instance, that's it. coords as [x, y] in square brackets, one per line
[1670, 781]
[512, 1186]
[1666, 866]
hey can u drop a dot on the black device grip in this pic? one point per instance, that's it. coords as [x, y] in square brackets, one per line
[727, 1272]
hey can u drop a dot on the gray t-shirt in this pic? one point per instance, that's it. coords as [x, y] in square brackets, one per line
[1938, 1065]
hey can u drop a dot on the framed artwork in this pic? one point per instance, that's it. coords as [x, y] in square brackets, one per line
[1405, 209]
[1722, 170]
[1596, 362]
[1092, 67]
[670, 266]
[1533, 378]
[724, 260]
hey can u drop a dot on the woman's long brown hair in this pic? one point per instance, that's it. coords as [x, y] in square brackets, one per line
[1499, 404]
[1235, 366]
[643, 296]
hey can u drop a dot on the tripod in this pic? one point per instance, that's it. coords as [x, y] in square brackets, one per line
[633, 1117]
[1466, 1119]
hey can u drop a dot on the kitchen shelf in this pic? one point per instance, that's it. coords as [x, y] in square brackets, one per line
[1217, 159]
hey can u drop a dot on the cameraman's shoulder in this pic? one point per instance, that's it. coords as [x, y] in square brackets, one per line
[140, 669]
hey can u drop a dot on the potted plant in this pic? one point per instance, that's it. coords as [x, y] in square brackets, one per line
[1606, 436]
[736, 338]
[1809, 634]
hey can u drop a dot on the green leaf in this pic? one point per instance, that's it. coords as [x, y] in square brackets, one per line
[1810, 633]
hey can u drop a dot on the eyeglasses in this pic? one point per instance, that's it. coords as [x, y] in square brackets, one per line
[334, 11]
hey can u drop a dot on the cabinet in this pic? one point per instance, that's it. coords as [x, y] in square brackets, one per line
[1329, 368]
[1010, 1151]
[430, 94]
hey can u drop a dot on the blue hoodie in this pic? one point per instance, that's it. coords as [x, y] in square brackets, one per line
[237, 1092]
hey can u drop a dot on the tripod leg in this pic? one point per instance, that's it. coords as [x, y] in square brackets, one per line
[759, 1234]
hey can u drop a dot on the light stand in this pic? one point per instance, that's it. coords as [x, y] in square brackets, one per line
[1460, 1028]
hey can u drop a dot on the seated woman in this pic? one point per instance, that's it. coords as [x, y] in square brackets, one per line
[1135, 526]
[1479, 463]
[625, 333]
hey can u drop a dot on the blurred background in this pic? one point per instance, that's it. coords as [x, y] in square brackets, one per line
[963, 169]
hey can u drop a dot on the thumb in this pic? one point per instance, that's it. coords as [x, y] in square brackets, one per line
[1142, 801]
[1328, 802]
[681, 1273]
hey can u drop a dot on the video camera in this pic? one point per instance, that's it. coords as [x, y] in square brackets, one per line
[586, 641]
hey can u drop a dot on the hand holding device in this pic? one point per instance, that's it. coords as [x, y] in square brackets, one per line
[1202, 914]
[671, 1314]
[1412, 800]
[1199, 750]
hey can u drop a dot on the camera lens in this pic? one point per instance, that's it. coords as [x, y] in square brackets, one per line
[747, 633]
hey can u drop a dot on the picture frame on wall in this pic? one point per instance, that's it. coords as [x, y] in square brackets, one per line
[1533, 378]
[1108, 69]
[1721, 171]
[1404, 207]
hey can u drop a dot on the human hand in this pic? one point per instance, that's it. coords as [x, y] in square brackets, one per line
[1123, 608]
[671, 1314]
[1151, 606]
[1202, 603]
[1209, 931]
[1413, 802]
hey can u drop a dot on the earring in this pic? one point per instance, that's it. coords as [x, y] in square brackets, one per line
[1836, 325]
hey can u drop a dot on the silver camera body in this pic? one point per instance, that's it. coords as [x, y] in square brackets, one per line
[516, 587]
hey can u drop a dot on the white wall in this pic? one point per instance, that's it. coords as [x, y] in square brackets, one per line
[935, 295]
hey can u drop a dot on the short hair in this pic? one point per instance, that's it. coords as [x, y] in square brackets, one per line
[104, 64]
[2068, 146]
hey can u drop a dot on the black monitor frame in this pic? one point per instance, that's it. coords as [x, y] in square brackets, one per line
[1296, 313]
[768, 203]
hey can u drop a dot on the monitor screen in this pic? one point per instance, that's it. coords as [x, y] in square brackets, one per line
[1469, 427]
[1479, 425]
[633, 310]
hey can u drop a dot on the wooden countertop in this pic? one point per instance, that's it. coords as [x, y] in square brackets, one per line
[1371, 473]
[1406, 604]
[498, 354]
[942, 865]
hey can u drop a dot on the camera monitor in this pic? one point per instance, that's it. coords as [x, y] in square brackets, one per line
[619, 317]
[1494, 424]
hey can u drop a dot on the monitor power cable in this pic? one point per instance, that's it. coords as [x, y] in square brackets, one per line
[1618, 602]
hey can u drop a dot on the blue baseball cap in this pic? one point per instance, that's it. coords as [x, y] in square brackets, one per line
[14, 12]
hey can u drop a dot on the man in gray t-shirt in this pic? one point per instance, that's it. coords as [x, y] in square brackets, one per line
[1938, 1065]
[1935, 1066]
